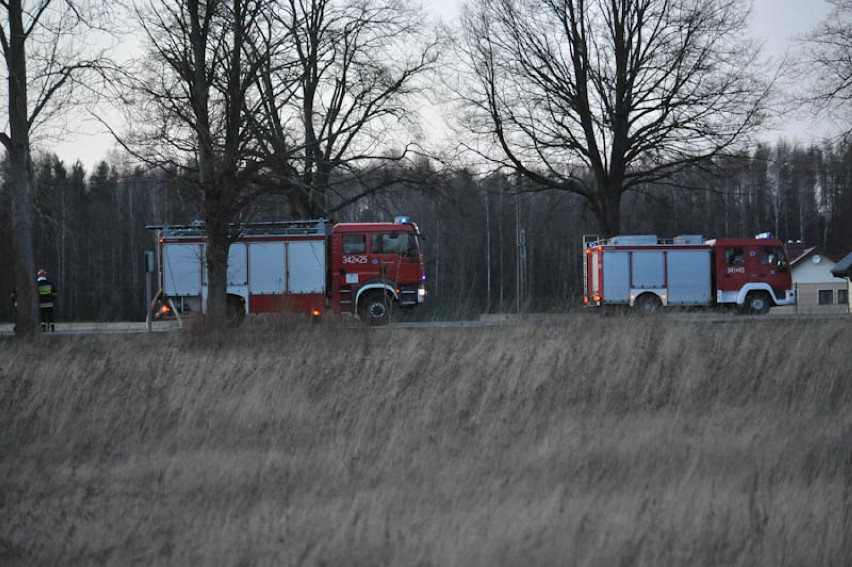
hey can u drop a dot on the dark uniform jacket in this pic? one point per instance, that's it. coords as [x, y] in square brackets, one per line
[46, 293]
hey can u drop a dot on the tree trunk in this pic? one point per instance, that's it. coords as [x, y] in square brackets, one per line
[218, 245]
[26, 313]
[606, 205]
[218, 217]
[18, 147]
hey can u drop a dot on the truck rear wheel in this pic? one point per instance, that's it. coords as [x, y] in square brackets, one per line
[647, 303]
[757, 303]
[374, 308]
[236, 310]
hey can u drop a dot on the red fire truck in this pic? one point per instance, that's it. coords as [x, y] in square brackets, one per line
[646, 273]
[367, 269]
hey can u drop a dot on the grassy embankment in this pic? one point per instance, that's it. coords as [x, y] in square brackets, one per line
[574, 442]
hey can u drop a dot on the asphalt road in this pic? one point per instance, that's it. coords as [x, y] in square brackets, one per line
[7, 329]
[494, 320]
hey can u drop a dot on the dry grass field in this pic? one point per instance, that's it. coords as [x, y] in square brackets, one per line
[581, 441]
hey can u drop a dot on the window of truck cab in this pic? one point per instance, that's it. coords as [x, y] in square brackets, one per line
[354, 244]
[771, 255]
[402, 243]
[734, 256]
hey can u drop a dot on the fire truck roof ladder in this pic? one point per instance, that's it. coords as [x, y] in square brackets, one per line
[298, 227]
[649, 240]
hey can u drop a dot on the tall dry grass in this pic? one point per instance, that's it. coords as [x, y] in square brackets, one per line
[580, 441]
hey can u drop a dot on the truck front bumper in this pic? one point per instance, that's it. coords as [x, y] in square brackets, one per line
[788, 299]
[410, 295]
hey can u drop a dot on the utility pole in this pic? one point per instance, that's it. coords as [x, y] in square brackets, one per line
[487, 254]
[500, 242]
[520, 253]
[437, 251]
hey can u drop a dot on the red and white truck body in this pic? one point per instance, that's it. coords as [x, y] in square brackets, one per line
[648, 272]
[297, 266]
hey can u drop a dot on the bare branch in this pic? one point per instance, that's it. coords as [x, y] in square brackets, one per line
[629, 91]
[338, 94]
[826, 62]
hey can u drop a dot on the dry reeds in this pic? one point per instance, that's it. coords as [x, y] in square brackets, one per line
[575, 441]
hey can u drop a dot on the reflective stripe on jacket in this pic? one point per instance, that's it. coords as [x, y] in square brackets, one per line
[45, 295]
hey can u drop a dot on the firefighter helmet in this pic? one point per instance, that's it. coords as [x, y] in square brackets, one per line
[42, 274]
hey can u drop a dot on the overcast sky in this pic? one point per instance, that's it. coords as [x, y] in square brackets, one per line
[779, 21]
[776, 22]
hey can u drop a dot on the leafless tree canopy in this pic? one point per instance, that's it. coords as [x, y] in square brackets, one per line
[58, 54]
[324, 85]
[627, 91]
[828, 63]
[189, 100]
[336, 95]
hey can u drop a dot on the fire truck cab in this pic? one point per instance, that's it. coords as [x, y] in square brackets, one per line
[752, 273]
[374, 267]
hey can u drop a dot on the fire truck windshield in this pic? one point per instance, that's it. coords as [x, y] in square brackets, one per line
[402, 243]
[771, 255]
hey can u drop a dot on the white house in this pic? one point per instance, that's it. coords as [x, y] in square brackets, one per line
[817, 289]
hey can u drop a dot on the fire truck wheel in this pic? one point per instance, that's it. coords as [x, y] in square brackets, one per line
[647, 303]
[757, 303]
[374, 309]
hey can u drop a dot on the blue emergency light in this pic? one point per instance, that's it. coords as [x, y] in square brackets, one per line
[402, 220]
[763, 235]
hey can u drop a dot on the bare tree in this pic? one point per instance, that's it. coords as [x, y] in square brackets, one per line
[827, 61]
[621, 92]
[336, 95]
[41, 42]
[191, 113]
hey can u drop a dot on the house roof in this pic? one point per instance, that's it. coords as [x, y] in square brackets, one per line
[799, 255]
[794, 248]
[796, 256]
[843, 269]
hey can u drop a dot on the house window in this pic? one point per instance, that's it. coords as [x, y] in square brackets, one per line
[354, 244]
[826, 296]
[843, 296]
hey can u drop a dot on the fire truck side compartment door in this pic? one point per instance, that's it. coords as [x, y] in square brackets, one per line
[182, 268]
[266, 268]
[616, 277]
[689, 277]
[237, 264]
[306, 266]
[648, 269]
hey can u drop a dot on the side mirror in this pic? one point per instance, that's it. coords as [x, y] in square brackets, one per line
[782, 266]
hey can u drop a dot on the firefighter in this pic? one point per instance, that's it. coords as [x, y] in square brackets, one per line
[46, 300]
